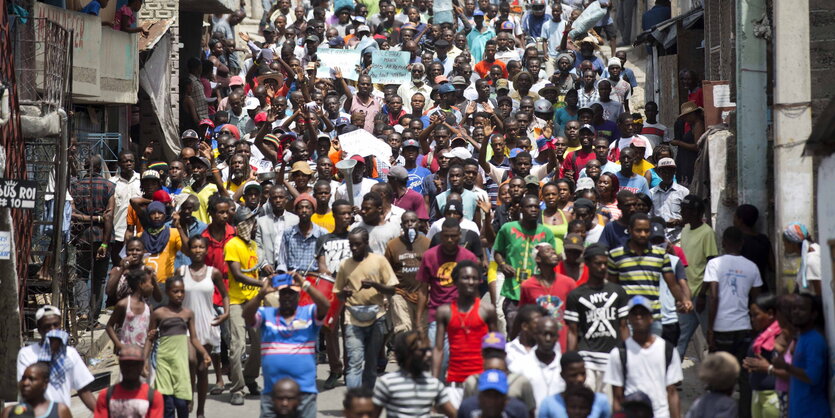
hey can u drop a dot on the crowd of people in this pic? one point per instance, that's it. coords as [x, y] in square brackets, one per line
[538, 243]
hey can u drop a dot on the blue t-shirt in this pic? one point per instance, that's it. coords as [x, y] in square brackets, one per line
[635, 184]
[810, 399]
[554, 407]
[608, 130]
[92, 8]
[416, 175]
[614, 235]
[289, 350]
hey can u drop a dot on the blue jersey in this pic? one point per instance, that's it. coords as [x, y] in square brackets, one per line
[289, 349]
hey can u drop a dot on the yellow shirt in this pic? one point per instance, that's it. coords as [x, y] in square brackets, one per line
[246, 254]
[202, 213]
[163, 262]
[640, 168]
[326, 221]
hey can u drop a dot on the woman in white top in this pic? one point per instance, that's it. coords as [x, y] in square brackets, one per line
[797, 240]
[200, 283]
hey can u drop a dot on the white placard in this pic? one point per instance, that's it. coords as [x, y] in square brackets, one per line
[346, 59]
[5, 245]
[722, 96]
[363, 143]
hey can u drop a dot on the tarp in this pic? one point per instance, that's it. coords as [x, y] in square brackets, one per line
[154, 78]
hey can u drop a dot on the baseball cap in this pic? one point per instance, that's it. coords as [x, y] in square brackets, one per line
[542, 106]
[478, 12]
[363, 28]
[514, 152]
[260, 117]
[692, 201]
[408, 25]
[588, 127]
[45, 311]
[161, 196]
[441, 79]
[460, 152]
[502, 84]
[584, 203]
[656, 231]
[507, 25]
[201, 160]
[269, 29]
[342, 121]
[189, 134]
[399, 173]
[495, 340]
[236, 80]
[584, 183]
[585, 109]
[639, 300]
[252, 183]
[531, 179]
[446, 88]
[638, 142]
[301, 166]
[336, 41]
[454, 206]
[574, 242]
[251, 103]
[441, 43]
[666, 162]
[411, 143]
[359, 159]
[206, 122]
[150, 174]
[283, 281]
[458, 80]
[241, 215]
[614, 61]
[311, 38]
[594, 250]
[493, 380]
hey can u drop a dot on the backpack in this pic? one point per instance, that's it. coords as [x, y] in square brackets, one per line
[109, 395]
[668, 357]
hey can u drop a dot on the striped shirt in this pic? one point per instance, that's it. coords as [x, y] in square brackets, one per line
[401, 395]
[289, 349]
[640, 274]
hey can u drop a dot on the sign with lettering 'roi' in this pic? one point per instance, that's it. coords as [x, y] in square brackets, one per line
[18, 194]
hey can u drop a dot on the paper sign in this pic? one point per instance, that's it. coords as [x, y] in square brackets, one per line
[442, 12]
[722, 96]
[363, 143]
[389, 67]
[5, 245]
[346, 59]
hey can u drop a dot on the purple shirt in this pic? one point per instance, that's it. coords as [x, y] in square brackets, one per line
[436, 270]
[412, 200]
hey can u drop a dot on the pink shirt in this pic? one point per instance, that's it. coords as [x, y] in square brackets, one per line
[121, 13]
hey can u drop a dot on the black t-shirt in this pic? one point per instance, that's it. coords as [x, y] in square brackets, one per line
[469, 240]
[513, 409]
[335, 248]
[757, 248]
[597, 313]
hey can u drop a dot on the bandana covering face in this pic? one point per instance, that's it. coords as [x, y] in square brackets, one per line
[244, 229]
[57, 371]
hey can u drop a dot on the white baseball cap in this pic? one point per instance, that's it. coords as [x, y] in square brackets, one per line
[46, 311]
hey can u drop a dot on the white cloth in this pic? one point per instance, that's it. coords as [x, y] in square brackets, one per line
[545, 378]
[646, 372]
[813, 268]
[198, 298]
[77, 374]
[359, 191]
[515, 350]
[736, 276]
[594, 235]
[124, 191]
[465, 224]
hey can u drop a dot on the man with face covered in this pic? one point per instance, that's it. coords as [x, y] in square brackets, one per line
[404, 253]
[288, 334]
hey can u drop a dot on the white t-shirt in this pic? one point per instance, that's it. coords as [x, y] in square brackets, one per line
[646, 373]
[736, 276]
[465, 224]
[515, 350]
[77, 374]
[545, 378]
[360, 190]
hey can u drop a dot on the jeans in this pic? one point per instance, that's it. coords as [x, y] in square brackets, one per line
[688, 323]
[671, 333]
[307, 405]
[175, 407]
[240, 374]
[88, 299]
[362, 344]
[432, 330]
[736, 343]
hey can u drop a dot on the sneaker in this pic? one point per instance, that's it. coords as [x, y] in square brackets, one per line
[253, 388]
[333, 380]
[237, 399]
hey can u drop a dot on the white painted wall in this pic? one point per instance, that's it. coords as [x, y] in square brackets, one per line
[826, 232]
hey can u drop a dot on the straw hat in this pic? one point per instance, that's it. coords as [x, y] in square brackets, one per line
[688, 107]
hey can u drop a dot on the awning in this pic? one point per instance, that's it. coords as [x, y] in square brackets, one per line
[156, 31]
[666, 32]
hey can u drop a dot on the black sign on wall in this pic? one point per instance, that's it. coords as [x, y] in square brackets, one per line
[18, 194]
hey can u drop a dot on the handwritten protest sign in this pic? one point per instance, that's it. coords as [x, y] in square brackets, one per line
[442, 12]
[345, 59]
[389, 67]
[363, 143]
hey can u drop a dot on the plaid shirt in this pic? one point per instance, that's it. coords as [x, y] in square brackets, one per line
[91, 195]
[298, 251]
[586, 100]
[199, 97]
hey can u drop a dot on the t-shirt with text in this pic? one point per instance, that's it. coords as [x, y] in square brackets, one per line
[597, 313]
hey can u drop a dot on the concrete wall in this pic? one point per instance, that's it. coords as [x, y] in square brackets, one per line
[822, 50]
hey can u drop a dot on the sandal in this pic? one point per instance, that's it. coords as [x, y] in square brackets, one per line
[216, 390]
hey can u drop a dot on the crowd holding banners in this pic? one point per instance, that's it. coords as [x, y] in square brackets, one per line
[464, 189]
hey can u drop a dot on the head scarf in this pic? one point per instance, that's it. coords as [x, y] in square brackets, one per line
[798, 234]
[56, 360]
[157, 234]
[232, 128]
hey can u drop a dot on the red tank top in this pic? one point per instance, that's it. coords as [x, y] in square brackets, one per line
[465, 331]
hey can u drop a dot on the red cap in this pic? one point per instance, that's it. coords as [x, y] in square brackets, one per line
[161, 196]
[207, 122]
[261, 117]
[359, 159]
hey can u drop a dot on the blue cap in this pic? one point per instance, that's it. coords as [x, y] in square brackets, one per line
[478, 12]
[495, 340]
[514, 152]
[493, 380]
[342, 121]
[282, 281]
[446, 88]
[639, 300]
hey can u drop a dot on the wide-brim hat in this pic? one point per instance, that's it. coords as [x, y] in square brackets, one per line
[273, 75]
[688, 107]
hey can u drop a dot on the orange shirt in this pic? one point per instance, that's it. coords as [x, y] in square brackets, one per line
[133, 220]
[483, 68]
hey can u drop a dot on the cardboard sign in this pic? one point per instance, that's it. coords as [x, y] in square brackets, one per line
[346, 60]
[389, 67]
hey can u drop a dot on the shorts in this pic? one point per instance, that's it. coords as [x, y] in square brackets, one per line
[607, 31]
